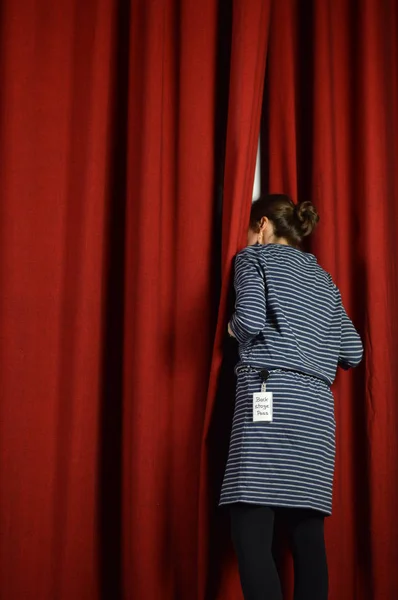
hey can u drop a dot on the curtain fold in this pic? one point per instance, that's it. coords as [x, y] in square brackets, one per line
[170, 294]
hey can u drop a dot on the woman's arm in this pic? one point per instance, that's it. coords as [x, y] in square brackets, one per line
[249, 317]
[351, 348]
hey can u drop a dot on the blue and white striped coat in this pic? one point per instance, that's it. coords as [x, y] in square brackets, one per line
[290, 320]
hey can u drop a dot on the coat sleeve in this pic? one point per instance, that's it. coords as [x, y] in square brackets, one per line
[351, 348]
[249, 317]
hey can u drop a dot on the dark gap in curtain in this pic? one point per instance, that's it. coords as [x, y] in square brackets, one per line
[359, 433]
[305, 105]
[218, 440]
[219, 430]
[111, 425]
[264, 129]
[305, 100]
[304, 84]
[264, 134]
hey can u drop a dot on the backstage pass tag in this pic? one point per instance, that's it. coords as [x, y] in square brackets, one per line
[262, 406]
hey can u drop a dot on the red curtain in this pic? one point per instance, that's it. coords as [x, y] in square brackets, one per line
[108, 294]
[55, 126]
[110, 454]
[170, 295]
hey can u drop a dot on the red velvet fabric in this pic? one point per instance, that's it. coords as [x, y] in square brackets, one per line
[116, 392]
[108, 294]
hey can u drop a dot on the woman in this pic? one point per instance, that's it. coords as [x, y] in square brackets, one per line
[293, 333]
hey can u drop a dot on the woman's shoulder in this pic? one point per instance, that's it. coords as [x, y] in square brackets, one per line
[248, 259]
[249, 251]
[250, 255]
[278, 252]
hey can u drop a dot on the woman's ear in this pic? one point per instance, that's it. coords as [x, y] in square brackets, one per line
[264, 224]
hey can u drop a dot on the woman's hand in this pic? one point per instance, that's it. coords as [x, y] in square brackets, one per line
[231, 333]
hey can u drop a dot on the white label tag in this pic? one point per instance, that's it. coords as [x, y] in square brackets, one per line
[262, 406]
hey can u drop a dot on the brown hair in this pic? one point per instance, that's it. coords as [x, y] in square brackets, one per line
[291, 221]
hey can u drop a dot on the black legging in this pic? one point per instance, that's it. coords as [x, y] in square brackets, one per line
[252, 535]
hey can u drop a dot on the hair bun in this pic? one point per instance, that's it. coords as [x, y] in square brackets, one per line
[307, 217]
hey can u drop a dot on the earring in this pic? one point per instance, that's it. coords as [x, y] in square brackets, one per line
[260, 237]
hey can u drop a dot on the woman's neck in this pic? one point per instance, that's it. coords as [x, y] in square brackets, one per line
[280, 241]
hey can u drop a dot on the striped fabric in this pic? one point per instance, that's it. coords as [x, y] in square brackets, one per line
[289, 319]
